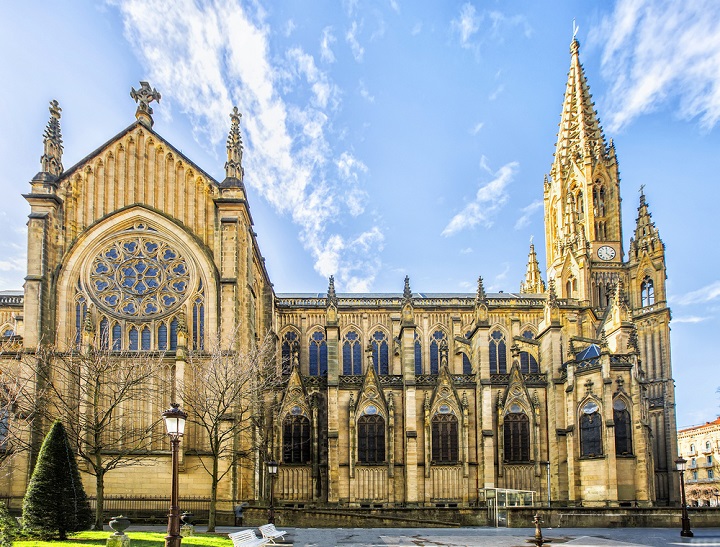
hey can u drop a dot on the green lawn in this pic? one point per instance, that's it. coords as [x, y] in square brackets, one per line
[137, 539]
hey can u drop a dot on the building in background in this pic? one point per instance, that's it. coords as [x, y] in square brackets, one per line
[700, 446]
[406, 399]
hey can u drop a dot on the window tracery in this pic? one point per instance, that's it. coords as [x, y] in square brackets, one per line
[445, 446]
[647, 292]
[296, 439]
[371, 438]
[498, 353]
[318, 354]
[590, 430]
[436, 341]
[290, 346]
[352, 353]
[516, 435]
[380, 353]
[623, 428]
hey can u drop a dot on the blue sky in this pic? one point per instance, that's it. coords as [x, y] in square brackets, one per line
[390, 138]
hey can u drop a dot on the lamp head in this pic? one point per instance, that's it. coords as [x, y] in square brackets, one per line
[174, 419]
[272, 467]
[681, 464]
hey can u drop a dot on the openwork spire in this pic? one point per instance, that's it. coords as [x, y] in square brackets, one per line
[533, 283]
[51, 160]
[331, 295]
[580, 137]
[143, 97]
[233, 166]
[480, 294]
[647, 237]
[407, 293]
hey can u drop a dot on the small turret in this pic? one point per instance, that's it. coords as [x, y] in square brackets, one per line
[647, 237]
[533, 283]
[234, 171]
[51, 160]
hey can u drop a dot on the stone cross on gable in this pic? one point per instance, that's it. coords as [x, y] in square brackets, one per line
[144, 96]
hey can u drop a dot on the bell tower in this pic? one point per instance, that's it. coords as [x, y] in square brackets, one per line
[582, 199]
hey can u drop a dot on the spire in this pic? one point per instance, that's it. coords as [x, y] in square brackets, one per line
[331, 295]
[480, 294]
[533, 283]
[580, 137]
[143, 97]
[233, 167]
[647, 236]
[407, 293]
[51, 160]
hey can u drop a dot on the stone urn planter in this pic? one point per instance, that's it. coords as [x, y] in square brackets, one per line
[119, 524]
[187, 518]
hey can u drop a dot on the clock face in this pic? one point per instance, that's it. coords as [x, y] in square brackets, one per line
[606, 252]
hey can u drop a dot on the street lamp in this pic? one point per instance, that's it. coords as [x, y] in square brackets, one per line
[272, 469]
[716, 493]
[685, 532]
[174, 419]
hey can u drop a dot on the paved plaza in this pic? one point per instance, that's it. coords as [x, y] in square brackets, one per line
[492, 537]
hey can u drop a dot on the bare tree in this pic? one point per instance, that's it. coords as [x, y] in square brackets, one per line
[103, 398]
[222, 391]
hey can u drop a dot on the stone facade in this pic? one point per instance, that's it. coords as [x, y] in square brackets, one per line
[700, 446]
[387, 400]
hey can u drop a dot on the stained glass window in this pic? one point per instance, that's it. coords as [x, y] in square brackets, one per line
[435, 341]
[498, 353]
[104, 334]
[528, 363]
[445, 438]
[418, 355]
[516, 434]
[590, 430]
[145, 339]
[162, 337]
[467, 366]
[380, 352]
[318, 354]
[352, 353]
[116, 337]
[290, 346]
[623, 428]
[371, 438]
[296, 439]
[647, 292]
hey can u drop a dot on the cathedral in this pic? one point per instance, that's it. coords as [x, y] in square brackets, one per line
[562, 389]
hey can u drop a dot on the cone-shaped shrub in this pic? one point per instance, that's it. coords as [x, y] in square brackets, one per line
[55, 503]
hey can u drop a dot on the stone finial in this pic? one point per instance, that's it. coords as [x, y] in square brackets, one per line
[480, 294]
[144, 96]
[51, 160]
[407, 293]
[233, 166]
[552, 295]
[87, 322]
[443, 352]
[331, 294]
[182, 322]
[464, 401]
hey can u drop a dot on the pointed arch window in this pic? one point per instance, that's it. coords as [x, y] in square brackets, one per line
[296, 439]
[198, 314]
[162, 335]
[133, 338]
[445, 438]
[647, 292]
[116, 337]
[498, 353]
[290, 346]
[435, 342]
[352, 353]
[591, 430]
[516, 435]
[528, 363]
[623, 428]
[145, 339]
[173, 334]
[104, 334]
[380, 352]
[371, 438]
[318, 354]
[80, 311]
[418, 355]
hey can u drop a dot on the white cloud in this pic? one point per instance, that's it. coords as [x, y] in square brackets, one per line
[289, 28]
[496, 92]
[690, 319]
[212, 55]
[365, 94]
[417, 29]
[466, 251]
[326, 42]
[527, 212]
[488, 200]
[476, 128]
[467, 24]
[351, 37]
[659, 52]
[701, 296]
[395, 6]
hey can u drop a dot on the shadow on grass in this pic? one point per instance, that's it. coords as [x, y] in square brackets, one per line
[137, 539]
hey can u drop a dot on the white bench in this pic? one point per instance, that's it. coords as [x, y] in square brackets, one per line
[247, 538]
[271, 533]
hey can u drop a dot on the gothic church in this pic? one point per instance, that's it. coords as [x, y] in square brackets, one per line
[408, 399]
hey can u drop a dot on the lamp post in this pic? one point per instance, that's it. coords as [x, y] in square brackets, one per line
[174, 419]
[272, 469]
[685, 532]
[716, 493]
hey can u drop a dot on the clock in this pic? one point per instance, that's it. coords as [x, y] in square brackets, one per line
[606, 253]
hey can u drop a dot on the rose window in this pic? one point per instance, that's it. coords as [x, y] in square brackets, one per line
[139, 276]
